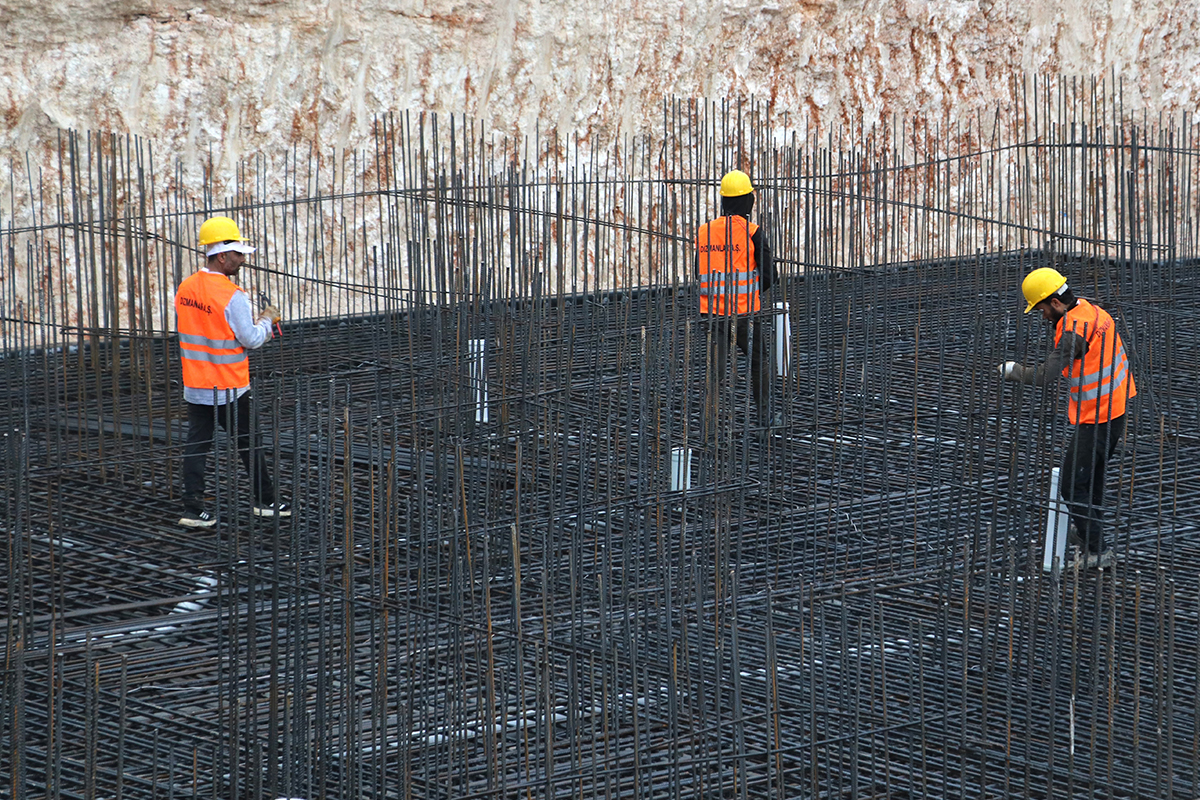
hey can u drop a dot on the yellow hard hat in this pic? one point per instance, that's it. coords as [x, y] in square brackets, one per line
[1040, 284]
[735, 184]
[219, 229]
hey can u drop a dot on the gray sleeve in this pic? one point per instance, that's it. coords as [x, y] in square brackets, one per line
[1070, 347]
[250, 334]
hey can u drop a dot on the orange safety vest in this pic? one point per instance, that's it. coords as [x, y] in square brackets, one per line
[728, 267]
[212, 356]
[1098, 384]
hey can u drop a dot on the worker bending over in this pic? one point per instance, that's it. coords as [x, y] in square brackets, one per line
[734, 266]
[1089, 353]
[216, 327]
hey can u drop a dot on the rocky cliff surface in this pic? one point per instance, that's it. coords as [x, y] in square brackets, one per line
[264, 75]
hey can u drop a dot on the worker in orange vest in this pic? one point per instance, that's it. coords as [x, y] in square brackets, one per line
[216, 327]
[734, 266]
[1090, 355]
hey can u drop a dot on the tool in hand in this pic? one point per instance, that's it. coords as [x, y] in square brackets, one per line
[266, 301]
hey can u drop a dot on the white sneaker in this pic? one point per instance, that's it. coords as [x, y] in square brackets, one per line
[276, 509]
[1094, 560]
[197, 519]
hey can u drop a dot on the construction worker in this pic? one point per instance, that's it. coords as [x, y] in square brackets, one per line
[734, 266]
[1089, 353]
[216, 327]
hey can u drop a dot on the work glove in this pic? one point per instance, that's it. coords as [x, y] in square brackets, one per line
[1007, 369]
[271, 313]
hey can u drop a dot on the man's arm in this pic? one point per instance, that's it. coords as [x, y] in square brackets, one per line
[250, 333]
[766, 260]
[1070, 347]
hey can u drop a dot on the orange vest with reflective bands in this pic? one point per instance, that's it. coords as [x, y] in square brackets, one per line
[1098, 384]
[728, 268]
[212, 356]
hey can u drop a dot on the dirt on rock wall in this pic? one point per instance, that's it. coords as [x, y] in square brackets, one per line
[264, 75]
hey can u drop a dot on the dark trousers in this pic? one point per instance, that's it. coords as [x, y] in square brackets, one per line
[1082, 478]
[201, 428]
[720, 331]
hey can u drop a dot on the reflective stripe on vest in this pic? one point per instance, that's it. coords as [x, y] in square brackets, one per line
[715, 283]
[728, 267]
[211, 355]
[204, 341]
[1100, 380]
[212, 358]
[1099, 384]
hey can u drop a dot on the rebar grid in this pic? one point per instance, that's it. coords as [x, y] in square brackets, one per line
[852, 605]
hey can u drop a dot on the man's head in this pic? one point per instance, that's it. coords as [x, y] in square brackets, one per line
[224, 245]
[1055, 308]
[737, 193]
[1046, 290]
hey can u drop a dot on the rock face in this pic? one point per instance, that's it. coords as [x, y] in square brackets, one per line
[235, 78]
[233, 98]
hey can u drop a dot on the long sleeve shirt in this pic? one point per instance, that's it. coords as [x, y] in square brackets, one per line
[1070, 348]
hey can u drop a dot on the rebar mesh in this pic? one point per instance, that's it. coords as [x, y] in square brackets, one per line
[492, 587]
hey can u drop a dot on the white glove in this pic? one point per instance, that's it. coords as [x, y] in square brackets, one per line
[1007, 368]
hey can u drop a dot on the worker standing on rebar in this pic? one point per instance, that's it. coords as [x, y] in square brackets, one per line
[1089, 353]
[734, 267]
[216, 327]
